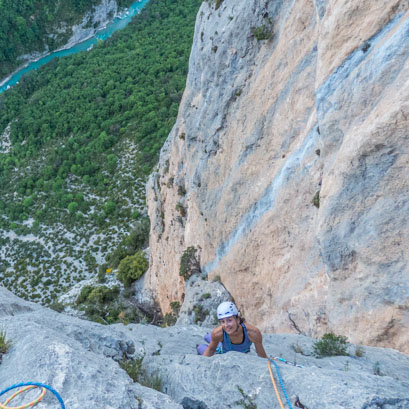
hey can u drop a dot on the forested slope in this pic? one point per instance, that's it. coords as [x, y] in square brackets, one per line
[77, 139]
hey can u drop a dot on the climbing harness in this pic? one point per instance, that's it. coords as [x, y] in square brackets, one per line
[27, 386]
[281, 383]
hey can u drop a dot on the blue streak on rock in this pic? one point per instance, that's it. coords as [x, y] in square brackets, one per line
[378, 60]
[267, 200]
[294, 78]
[321, 6]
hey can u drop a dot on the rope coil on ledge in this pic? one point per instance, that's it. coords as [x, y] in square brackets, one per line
[27, 405]
[27, 386]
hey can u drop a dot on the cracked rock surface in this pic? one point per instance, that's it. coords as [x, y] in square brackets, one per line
[80, 360]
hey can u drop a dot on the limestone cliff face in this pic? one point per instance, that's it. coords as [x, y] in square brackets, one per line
[288, 167]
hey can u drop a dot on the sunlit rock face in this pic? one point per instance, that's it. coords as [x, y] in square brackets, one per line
[291, 150]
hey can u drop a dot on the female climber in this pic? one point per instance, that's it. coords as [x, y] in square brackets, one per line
[232, 335]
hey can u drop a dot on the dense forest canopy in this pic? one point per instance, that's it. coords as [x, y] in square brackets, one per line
[73, 112]
[30, 25]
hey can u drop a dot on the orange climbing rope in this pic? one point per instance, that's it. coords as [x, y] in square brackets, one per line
[27, 405]
[275, 386]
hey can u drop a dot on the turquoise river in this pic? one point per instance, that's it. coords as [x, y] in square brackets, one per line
[103, 34]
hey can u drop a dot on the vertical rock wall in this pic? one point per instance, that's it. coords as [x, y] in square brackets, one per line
[288, 167]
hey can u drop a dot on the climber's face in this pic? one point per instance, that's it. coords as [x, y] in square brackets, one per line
[229, 324]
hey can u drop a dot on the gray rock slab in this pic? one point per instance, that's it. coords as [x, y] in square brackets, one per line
[75, 357]
[231, 379]
[80, 360]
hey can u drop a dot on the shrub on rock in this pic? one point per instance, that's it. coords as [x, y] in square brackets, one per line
[4, 342]
[331, 345]
[132, 267]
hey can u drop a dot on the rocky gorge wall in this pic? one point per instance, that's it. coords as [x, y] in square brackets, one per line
[287, 168]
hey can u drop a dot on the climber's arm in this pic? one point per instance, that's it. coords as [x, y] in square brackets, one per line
[257, 339]
[217, 336]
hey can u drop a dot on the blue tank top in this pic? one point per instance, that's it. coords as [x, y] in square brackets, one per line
[243, 347]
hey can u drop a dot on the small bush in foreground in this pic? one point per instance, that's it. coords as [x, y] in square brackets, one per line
[331, 345]
[4, 342]
[133, 367]
[247, 402]
[154, 381]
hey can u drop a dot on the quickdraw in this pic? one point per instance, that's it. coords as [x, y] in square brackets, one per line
[277, 358]
[25, 387]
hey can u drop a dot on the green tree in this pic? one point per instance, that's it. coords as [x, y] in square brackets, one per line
[28, 201]
[73, 207]
[131, 268]
[109, 207]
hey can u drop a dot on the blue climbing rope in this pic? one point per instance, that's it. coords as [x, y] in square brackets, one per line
[281, 383]
[40, 385]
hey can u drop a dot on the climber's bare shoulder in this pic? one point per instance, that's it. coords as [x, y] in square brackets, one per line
[257, 339]
[253, 332]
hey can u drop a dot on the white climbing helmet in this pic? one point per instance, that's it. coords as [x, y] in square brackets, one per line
[226, 309]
